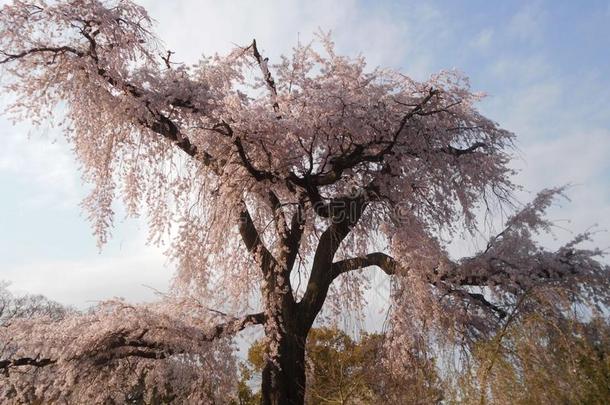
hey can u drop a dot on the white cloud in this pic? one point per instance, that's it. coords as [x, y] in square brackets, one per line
[133, 273]
[528, 110]
[41, 159]
[581, 160]
[558, 141]
[578, 158]
[386, 36]
[524, 69]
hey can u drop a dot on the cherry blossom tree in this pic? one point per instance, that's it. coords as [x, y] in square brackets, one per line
[273, 186]
[27, 306]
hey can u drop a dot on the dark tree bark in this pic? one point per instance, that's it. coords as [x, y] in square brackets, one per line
[284, 381]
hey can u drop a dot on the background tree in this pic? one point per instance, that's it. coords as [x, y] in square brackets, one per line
[14, 307]
[342, 370]
[540, 361]
[275, 186]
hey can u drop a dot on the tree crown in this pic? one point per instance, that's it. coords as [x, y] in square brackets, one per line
[263, 175]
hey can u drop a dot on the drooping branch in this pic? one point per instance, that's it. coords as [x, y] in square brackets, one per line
[457, 152]
[480, 300]
[497, 272]
[159, 123]
[389, 265]
[134, 343]
[235, 325]
[168, 129]
[457, 278]
[542, 267]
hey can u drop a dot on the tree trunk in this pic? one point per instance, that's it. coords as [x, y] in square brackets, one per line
[283, 381]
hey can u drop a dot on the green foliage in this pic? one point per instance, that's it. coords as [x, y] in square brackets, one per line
[536, 361]
[533, 361]
[245, 396]
[340, 367]
[341, 370]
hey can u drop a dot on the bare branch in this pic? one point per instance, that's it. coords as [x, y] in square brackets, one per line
[264, 66]
[459, 152]
[44, 49]
[381, 260]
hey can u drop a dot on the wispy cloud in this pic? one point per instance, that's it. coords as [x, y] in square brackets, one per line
[528, 23]
[389, 35]
[135, 272]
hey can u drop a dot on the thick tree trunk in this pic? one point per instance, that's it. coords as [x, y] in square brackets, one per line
[283, 381]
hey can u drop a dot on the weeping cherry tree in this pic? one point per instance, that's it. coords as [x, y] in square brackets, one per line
[272, 186]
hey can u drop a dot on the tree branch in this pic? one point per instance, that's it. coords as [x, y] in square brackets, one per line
[235, 325]
[267, 77]
[498, 270]
[390, 267]
[459, 152]
[43, 49]
[480, 300]
[122, 344]
[354, 156]
[226, 130]
[160, 124]
[253, 241]
[322, 269]
[293, 241]
[381, 260]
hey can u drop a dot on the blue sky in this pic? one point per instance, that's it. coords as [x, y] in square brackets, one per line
[544, 65]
